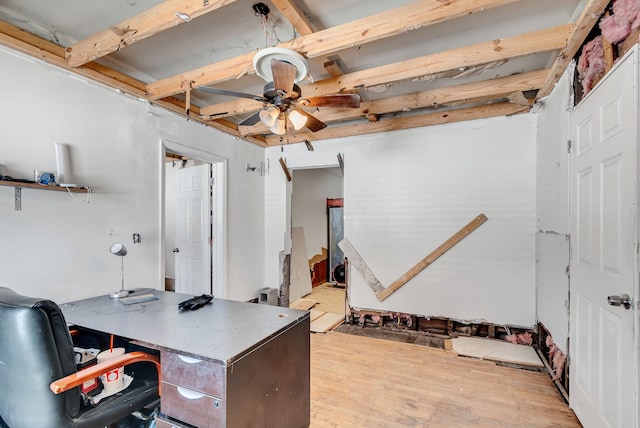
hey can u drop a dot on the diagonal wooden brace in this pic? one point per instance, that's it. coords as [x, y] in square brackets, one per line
[422, 264]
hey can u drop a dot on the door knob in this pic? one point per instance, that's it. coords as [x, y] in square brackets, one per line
[177, 250]
[623, 300]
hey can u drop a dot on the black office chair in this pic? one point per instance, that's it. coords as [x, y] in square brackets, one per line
[37, 358]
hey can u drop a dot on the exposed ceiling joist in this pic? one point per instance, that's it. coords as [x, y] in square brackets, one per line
[395, 93]
[406, 18]
[428, 119]
[468, 56]
[295, 16]
[468, 92]
[165, 15]
[33, 46]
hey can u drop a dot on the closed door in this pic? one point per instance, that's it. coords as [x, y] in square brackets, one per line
[193, 230]
[603, 362]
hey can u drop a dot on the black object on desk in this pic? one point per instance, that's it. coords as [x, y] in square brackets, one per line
[195, 302]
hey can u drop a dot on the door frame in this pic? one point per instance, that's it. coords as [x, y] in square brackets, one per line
[219, 203]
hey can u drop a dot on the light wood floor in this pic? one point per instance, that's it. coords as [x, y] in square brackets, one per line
[328, 297]
[365, 382]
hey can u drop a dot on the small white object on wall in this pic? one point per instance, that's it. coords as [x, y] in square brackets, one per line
[63, 165]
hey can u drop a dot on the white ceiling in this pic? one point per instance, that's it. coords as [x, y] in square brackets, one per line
[235, 29]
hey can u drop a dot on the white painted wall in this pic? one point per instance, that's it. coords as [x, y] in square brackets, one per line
[57, 247]
[408, 191]
[552, 201]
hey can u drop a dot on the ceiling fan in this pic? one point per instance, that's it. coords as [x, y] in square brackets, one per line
[282, 98]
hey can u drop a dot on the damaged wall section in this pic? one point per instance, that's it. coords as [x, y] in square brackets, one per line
[552, 207]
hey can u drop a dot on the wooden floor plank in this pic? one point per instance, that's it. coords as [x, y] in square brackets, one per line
[328, 298]
[303, 304]
[360, 381]
[326, 322]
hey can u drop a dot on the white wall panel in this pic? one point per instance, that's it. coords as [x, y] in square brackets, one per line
[552, 196]
[57, 247]
[552, 280]
[406, 192]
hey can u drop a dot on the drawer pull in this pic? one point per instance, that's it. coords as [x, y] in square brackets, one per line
[189, 360]
[189, 394]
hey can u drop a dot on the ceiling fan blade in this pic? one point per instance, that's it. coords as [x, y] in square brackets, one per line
[337, 100]
[313, 124]
[251, 120]
[227, 93]
[284, 75]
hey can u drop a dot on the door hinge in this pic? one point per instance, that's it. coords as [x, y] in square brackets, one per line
[568, 146]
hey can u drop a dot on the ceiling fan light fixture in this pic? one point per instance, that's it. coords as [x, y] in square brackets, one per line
[279, 127]
[269, 115]
[297, 119]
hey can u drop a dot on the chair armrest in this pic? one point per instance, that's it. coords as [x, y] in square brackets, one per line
[91, 372]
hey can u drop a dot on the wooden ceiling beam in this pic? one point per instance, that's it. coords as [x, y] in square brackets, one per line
[51, 53]
[490, 89]
[418, 14]
[585, 22]
[165, 15]
[294, 15]
[416, 121]
[469, 56]
[35, 47]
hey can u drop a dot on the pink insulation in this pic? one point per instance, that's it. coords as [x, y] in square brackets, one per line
[626, 18]
[556, 357]
[519, 339]
[406, 318]
[591, 63]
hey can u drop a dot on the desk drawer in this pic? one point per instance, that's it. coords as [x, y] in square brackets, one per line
[199, 375]
[192, 407]
[165, 423]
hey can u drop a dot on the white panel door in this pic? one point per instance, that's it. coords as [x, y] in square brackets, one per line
[603, 369]
[193, 230]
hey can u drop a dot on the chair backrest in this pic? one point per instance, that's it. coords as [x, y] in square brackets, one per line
[35, 349]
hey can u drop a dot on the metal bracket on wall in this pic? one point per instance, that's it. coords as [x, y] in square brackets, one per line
[18, 198]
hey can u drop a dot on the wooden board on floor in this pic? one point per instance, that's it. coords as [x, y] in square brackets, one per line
[326, 322]
[303, 304]
[314, 314]
[328, 298]
[496, 350]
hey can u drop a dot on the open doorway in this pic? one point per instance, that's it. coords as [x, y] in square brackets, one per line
[312, 230]
[193, 222]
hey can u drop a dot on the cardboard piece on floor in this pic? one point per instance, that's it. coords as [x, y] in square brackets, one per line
[326, 322]
[303, 304]
[496, 350]
[300, 282]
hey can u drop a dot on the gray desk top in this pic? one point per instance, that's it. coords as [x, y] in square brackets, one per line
[223, 331]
